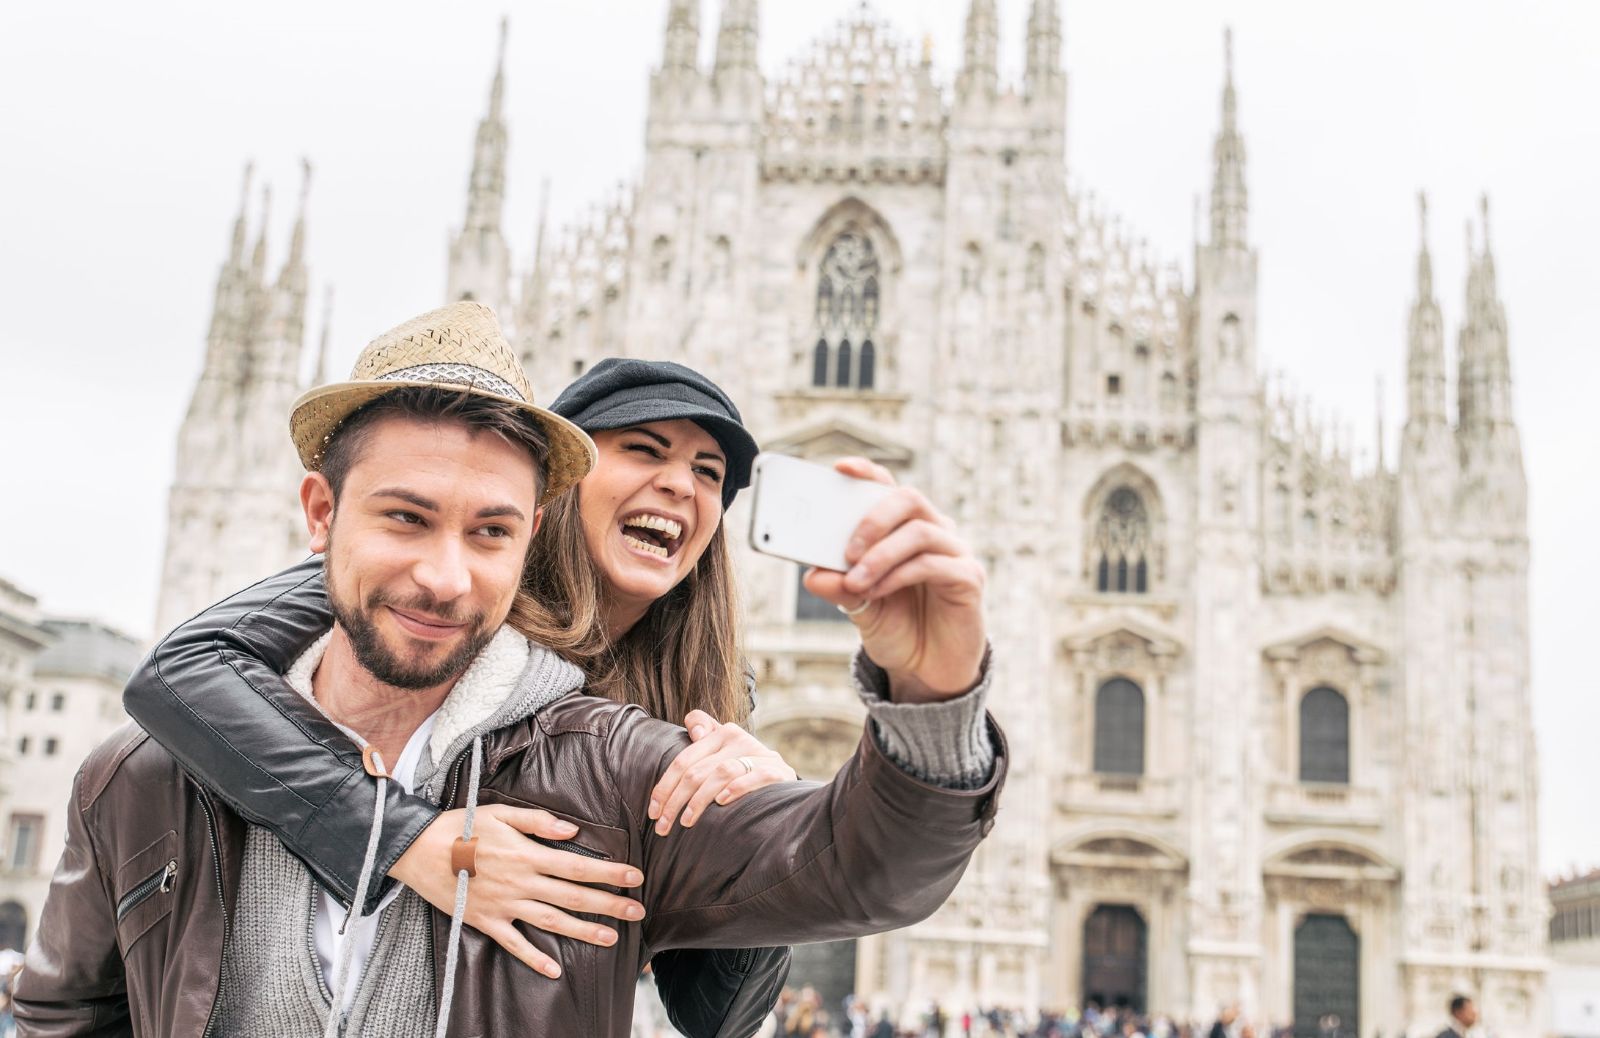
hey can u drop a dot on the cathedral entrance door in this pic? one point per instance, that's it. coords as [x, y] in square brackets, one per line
[1327, 978]
[829, 967]
[1115, 957]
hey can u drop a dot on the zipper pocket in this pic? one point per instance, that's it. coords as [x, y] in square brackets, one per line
[222, 901]
[160, 882]
[742, 960]
[568, 845]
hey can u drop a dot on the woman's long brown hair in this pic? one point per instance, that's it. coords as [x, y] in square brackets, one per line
[682, 655]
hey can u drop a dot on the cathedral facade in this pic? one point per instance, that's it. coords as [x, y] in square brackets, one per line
[1268, 709]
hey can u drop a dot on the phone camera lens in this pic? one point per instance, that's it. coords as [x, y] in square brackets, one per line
[766, 537]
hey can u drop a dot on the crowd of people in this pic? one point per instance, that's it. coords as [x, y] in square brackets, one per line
[803, 1013]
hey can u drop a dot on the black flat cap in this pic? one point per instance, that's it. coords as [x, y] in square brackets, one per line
[622, 391]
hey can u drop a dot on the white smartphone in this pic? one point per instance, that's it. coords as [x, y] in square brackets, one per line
[806, 512]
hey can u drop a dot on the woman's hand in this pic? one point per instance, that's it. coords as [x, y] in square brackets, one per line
[914, 591]
[713, 768]
[519, 880]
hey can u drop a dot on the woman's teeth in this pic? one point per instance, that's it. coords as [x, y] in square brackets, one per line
[654, 549]
[671, 527]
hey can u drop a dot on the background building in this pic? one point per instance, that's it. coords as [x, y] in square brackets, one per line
[1269, 709]
[21, 641]
[1575, 955]
[71, 702]
[60, 695]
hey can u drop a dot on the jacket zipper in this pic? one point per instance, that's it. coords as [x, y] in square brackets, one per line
[159, 881]
[568, 845]
[742, 960]
[316, 960]
[222, 904]
[311, 945]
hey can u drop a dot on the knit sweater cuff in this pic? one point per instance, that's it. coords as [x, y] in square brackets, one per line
[945, 744]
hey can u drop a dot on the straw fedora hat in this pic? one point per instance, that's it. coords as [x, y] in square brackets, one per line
[455, 346]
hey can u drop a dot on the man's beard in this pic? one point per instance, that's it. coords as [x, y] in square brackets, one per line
[390, 667]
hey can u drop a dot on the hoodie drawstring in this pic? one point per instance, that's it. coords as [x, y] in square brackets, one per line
[373, 762]
[462, 878]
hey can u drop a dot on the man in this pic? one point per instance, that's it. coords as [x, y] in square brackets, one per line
[1463, 1017]
[1222, 1027]
[170, 916]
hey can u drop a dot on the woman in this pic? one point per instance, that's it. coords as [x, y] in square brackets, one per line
[631, 579]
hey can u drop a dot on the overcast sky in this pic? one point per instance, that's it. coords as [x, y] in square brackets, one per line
[125, 127]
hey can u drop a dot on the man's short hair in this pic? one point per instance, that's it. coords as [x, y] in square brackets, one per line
[1458, 1003]
[434, 404]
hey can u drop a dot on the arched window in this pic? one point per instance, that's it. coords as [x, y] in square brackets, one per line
[1033, 279]
[721, 260]
[1119, 728]
[1228, 337]
[1169, 392]
[1122, 544]
[869, 359]
[846, 311]
[1324, 737]
[661, 259]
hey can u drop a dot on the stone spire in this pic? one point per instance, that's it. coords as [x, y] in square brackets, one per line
[981, 58]
[1044, 77]
[480, 260]
[1485, 362]
[258, 257]
[320, 377]
[530, 305]
[682, 53]
[229, 300]
[1425, 375]
[1230, 202]
[486, 190]
[544, 225]
[292, 278]
[240, 229]
[297, 238]
[737, 65]
[235, 471]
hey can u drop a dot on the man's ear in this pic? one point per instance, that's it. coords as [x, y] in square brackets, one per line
[316, 500]
[538, 521]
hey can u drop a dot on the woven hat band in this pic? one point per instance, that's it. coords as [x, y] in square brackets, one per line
[457, 374]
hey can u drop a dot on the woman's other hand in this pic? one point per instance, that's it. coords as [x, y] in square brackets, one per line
[520, 880]
[712, 769]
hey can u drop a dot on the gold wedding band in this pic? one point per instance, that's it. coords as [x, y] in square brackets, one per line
[857, 611]
[749, 765]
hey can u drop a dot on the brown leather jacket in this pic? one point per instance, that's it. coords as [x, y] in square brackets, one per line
[132, 935]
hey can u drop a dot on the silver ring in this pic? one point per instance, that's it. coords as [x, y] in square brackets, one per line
[749, 765]
[857, 611]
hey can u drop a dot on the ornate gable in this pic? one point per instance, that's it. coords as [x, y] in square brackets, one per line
[837, 438]
[1325, 640]
[1154, 638]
